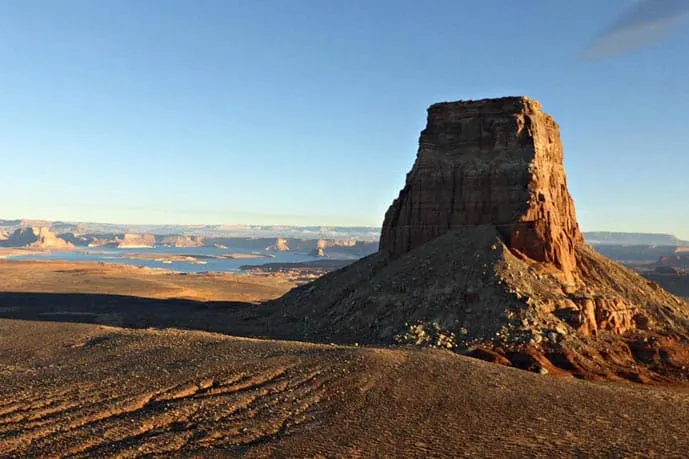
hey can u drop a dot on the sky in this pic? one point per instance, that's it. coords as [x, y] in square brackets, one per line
[308, 112]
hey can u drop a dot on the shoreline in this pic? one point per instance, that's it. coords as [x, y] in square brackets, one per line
[8, 252]
[95, 264]
[295, 274]
[122, 257]
[192, 257]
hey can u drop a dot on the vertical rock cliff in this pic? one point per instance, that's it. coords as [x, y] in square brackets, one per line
[497, 162]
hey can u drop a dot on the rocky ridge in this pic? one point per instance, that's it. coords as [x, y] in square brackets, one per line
[481, 253]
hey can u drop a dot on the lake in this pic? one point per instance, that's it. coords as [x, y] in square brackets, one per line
[119, 256]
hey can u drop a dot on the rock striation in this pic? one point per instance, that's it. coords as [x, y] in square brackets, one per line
[497, 162]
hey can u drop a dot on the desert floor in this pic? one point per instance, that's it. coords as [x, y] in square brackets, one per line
[106, 361]
[103, 278]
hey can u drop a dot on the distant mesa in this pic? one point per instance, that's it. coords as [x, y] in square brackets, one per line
[94, 236]
[280, 245]
[99, 242]
[680, 260]
[132, 241]
[667, 270]
[481, 252]
[319, 250]
[121, 241]
[63, 227]
[49, 240]
[181, 241]
[35, 238]
[335, 243]
[22, 237]
[616, 238]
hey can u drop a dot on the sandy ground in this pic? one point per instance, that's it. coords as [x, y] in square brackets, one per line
[94, 391]
[75, 389]
[11, 252]
[103, 278]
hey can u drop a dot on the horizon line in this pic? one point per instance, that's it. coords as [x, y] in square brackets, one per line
[373, 227]
[190, 224]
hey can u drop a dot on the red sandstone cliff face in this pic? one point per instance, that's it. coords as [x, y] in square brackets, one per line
[497, 162]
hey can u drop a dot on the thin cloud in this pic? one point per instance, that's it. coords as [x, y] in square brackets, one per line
[646, 22]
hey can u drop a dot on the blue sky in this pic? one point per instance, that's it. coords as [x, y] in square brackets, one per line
[309, 111]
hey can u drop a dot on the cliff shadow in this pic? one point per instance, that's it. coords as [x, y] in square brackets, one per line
[234, 318]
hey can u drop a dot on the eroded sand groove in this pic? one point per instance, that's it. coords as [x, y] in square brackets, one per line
[242, 404]
[172, 393]
[208, 412]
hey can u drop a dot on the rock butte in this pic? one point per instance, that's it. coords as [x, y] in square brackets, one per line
[493, 161]
[481, 253]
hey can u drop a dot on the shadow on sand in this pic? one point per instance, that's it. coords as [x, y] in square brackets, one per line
[134, 312]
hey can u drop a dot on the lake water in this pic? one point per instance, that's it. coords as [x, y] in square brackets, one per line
[119, 256]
